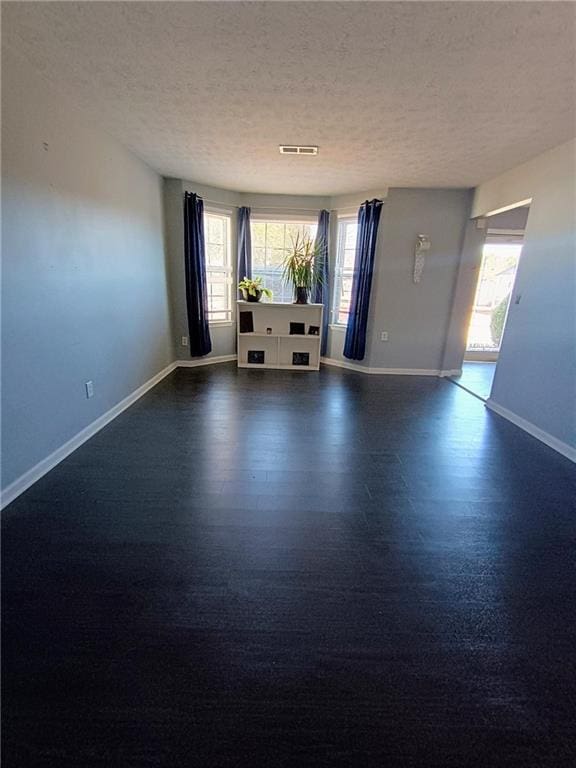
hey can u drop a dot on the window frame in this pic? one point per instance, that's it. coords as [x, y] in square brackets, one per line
[340, 272]
[227, 267]
[308, 219]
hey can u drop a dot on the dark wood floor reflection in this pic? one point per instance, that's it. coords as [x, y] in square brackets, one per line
[476, 378]
[264, 568]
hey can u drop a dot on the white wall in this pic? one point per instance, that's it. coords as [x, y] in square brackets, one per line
[416, 316]
[536, 373]
[84, 292]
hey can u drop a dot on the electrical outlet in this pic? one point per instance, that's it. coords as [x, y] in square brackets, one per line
[184, 341]
[384, 336]
[89, 389]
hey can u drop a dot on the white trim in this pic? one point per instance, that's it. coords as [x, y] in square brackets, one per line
[24, 482]
[545, 437]
[519, 204]
[347, 213]
[496, 231]
[385, 371]
[204, 361]
[44, 466]
[219, 209]
[284, 215]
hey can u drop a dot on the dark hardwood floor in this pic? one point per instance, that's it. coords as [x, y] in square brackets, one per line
[265, 568]
[476, 378]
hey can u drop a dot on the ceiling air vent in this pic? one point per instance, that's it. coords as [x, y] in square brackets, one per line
[291, 149]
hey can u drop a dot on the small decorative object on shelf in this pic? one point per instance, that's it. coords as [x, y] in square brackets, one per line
[256, 356]
[314, 330]
[253, 290]
[297, 329]
[300, 268]
[300, 358]
[246, 322]
[269, 331]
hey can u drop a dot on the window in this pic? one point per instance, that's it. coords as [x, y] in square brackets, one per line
[218, 266]
[271, 240]
[344, 272]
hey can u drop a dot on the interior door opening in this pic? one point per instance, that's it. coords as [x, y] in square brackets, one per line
[501, 255]
[492, 299]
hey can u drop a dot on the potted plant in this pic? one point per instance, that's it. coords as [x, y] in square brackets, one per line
[299, 267]
[253, 290]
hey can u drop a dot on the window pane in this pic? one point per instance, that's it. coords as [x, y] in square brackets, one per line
[349, 259]
[344, 272]
[271, 241]
[350, 237]
[275, 235]
[215, 233]
[275, 257]
[218, 281]
[310, 230]
[258, 231]
[217, 291]
[219, 315]
[215, 254]
[258, 257]
[294, 231]
[217, 275]
[217, 303]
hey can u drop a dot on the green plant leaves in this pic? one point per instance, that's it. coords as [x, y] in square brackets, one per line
[253, 286]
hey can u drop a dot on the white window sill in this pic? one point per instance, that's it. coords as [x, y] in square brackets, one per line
[337, 326]
[221, 323]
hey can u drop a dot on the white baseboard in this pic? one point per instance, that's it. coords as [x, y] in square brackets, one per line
[384, 371]
[194, 363]
[24, 482]
[545, 437]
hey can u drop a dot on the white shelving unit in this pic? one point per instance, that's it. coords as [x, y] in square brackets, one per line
[280, 348]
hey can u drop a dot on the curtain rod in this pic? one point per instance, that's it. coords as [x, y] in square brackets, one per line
[266, 207]
[259, 207]
[286, 208]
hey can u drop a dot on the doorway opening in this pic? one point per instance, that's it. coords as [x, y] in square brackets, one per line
[492, 299]
[501, 255]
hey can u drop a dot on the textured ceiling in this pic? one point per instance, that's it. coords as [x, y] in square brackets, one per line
[396, 94]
